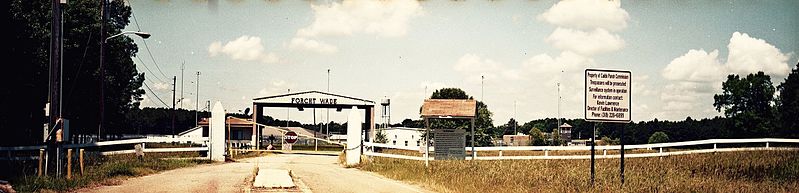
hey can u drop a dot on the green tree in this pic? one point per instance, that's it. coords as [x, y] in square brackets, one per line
[483, 123]
[788, 104]
[748, 102]
[537, 137]
[380, 136]
[659, 137]
[24, 100]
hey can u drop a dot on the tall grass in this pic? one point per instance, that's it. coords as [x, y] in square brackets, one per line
[103, 170]
[755, 171]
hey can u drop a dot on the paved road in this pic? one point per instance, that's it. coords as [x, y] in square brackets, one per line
[324, 174]
[313, 173]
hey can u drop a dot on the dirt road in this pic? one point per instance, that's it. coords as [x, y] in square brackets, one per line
[220, 177]
[324, 174]
[314, 173]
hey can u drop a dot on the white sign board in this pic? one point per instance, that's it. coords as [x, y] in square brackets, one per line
[607, 95]
[313, 97]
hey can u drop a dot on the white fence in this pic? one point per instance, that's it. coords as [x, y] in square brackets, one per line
[663, 149]
[198, 140]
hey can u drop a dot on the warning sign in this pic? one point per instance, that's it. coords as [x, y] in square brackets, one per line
[607, 95]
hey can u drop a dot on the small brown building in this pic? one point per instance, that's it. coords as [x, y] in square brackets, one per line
[516, 140]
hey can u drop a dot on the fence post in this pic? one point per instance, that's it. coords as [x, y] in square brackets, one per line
[661, 151]
[766, 144]
[69, 164]
[604, 152]
[500, 153]
[41, 158]
[714, 146]
[546, 152]
[81, 161]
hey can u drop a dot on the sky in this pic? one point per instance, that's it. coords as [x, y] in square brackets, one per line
[679, 52]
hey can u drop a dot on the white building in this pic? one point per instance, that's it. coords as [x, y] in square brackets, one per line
[404, 136]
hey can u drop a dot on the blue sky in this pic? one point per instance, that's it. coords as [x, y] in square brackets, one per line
[679, 52]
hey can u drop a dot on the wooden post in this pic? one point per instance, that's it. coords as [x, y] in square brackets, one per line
[69, 164]
[81, 161]
[41, 159]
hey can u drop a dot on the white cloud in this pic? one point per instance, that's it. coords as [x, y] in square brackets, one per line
[587, 43]
[276, 87]
[697, 66]
[566, 61]
[381, 18]
[160, 86]
[697, 75]
[312, 45]
[245, 48]
[473, 63]
[587, 14]
[750, 55]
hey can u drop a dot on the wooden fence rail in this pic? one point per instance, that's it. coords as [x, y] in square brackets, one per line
[661, 148]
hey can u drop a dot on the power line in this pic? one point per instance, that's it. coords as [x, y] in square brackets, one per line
[135, 20]
[153, 58]
[156, 96]
[148, 69]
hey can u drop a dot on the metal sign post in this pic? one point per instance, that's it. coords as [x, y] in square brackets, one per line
[607, 99]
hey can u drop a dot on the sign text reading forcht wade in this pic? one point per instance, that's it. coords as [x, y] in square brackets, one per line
[328, 101]
[607, 95]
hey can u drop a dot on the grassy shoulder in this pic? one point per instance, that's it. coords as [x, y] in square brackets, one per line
[104, 170]
[754, 171]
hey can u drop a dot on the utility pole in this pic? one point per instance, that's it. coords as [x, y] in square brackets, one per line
[327, 119]
[182, 67]
[559, 99]
[174, 78]
[197, 102]
[482, 88]
[514, 118]
[54, 105]
[101, 79]
[288, 114]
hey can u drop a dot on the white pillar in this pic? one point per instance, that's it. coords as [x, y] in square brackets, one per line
[354, 137]
[217, 132]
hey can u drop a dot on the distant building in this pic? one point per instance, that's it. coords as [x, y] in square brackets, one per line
[566, 133]
[404, 136]
[338, 138]
[519, 139]
[240, 131]
[301, 132]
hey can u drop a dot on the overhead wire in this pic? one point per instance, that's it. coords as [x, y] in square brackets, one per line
[150, 53]
[153, 93]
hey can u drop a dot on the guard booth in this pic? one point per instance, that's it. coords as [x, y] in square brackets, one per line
[449, 143]
[310, 100]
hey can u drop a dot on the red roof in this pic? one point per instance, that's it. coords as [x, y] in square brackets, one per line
[234, 122]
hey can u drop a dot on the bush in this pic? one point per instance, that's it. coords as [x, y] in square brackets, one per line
[659, 137]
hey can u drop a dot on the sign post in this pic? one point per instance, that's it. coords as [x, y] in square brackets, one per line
[290, 138]
[607, 99]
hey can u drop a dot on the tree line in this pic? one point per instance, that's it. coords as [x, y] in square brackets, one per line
[749, 104]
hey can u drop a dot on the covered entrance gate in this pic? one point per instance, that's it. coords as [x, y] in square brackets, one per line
[310, 100]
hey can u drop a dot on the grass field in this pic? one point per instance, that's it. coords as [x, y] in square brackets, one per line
[103, 170]
[754, 171]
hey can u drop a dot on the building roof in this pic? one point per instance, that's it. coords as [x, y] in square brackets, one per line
[312, 92]
[455, 108]
[565, 125]
[190, 130]
[276, 131]
[234, 122]
[403, 128]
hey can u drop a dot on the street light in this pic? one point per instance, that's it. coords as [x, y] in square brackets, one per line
[144, 35]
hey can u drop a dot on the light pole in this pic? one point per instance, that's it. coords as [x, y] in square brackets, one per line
[327, 118]
[144, 35]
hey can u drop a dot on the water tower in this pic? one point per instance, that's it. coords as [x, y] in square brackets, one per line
[386, 115]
